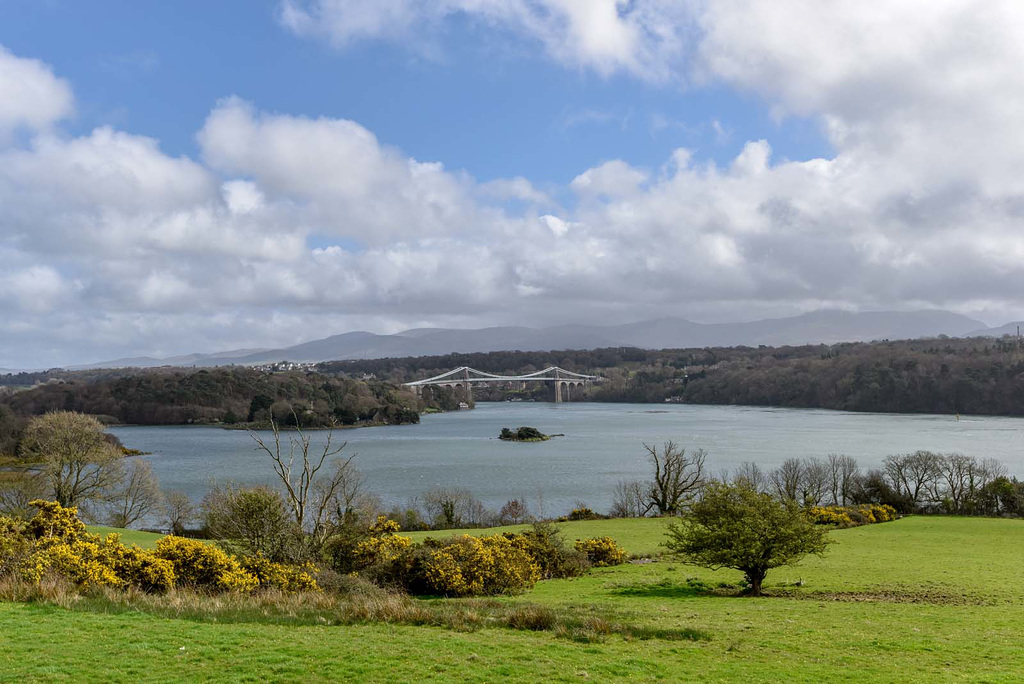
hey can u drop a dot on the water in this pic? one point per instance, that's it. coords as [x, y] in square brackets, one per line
[602, 445]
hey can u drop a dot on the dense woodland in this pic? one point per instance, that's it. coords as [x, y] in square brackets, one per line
[969, 376]
[224, 395]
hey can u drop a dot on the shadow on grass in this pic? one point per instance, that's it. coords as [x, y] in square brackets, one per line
[676, 590]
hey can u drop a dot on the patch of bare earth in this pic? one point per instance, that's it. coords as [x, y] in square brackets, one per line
[927, 596]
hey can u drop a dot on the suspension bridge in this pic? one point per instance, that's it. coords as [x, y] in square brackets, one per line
[566, 383]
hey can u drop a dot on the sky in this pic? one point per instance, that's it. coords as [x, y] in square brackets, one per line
[195, 176]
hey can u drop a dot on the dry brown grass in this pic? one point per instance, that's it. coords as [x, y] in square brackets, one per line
[363, 603]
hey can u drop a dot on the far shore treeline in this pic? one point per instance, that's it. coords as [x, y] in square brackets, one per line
[234, 396]
[980, 376]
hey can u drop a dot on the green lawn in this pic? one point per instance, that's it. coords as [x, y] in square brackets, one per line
[917, 600]
[145, 540]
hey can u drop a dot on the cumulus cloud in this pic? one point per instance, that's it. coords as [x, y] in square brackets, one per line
[31, 97]
[111, 244]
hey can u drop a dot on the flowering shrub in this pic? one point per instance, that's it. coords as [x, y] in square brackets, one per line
[848, 516]
[384, 549]
[77, 560]
[829, 515]
[602, 551]
[468, 566]
[53, 521]
[56, 542]
[135, 567]
[204, 566]
[279, 576]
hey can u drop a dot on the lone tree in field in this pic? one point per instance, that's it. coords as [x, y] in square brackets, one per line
[734, 526]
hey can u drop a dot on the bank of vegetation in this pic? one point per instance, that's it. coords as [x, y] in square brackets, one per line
[238, 397]
[983, 376]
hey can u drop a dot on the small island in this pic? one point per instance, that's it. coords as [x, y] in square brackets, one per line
[523, 434]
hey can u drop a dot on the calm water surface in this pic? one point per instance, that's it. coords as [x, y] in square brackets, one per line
[602, 445]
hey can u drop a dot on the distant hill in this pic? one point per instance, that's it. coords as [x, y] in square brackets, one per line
[825, 326]
[1008, 329]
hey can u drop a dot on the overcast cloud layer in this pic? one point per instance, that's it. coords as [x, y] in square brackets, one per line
[110, 246]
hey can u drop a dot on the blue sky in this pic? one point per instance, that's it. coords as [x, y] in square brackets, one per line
[186, 176]
[487, 104]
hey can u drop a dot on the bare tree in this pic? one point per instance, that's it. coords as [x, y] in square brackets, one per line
[451, 507]
[17, 489]
[955, 476]
[815, 482]
[77, 460]
[179, 511]
[913, 476]
[308, 491]
[631, 499]
[842, 472]
[344, 494]
[750, 475]
[514, 512]
[788, 479]
[137, 496]
[678, 478]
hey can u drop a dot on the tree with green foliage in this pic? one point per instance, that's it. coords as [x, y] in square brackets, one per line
[78, 461]
[734, 526]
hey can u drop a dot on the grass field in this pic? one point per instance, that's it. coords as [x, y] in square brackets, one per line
[145, 540]
[917, 600]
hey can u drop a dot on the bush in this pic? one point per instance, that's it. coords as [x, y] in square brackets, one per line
[470, 566]
[252, 521]
[829, 515]
[272, 575]
[135, 567]
[602, 551]
[203, 566]
[554, 559]
[582, 513]
[382, 546]
[848, 516]
[55, 543]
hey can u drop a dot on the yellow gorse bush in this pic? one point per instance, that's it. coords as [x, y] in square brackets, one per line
[200, 565]
[848, 516]
[829, 515]
[383, 545]
[279, 576]
[56, 542]
[470, 566]
[602, 551]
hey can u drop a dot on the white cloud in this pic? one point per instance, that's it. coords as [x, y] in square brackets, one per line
[113, 244]
[641, 37]
[31, 97]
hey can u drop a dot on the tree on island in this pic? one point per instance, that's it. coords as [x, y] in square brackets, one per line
[734, 526]
[523, 434]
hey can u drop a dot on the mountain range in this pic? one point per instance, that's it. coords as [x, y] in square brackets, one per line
[819, 327]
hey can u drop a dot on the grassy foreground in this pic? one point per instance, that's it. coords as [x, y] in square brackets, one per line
[921, 599]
